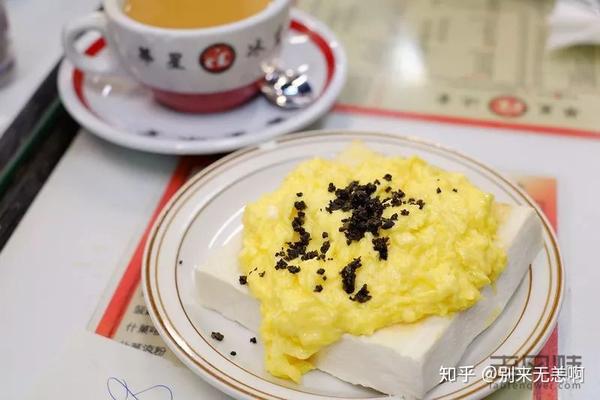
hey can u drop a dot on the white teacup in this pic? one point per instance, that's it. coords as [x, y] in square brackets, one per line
[194, 70]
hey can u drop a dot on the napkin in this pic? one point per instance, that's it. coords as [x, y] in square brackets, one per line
[574, 22]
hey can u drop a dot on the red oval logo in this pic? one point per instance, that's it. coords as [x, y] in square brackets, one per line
[508, 106]
[217, 58]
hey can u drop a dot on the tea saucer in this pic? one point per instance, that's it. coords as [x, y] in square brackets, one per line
[119, 110]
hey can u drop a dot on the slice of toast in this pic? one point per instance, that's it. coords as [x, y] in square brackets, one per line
[403, 359]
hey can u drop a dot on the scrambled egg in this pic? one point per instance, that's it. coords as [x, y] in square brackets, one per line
[433, 258]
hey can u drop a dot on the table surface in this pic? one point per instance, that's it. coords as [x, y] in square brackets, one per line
[35, 32]
[73, 243]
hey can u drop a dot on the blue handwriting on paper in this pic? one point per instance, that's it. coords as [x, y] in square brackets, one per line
[119, 390]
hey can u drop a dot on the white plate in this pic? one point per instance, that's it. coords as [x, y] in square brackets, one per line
[207, 211]
[123, 112]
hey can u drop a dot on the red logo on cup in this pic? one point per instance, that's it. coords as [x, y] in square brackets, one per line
[508, 106]
[217, 58]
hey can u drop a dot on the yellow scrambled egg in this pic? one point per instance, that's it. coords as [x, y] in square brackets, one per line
[325, 256]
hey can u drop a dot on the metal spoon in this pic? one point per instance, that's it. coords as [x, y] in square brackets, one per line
[287, 89]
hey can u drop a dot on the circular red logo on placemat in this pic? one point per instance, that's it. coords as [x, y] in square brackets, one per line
[217, 58]
[508, 106]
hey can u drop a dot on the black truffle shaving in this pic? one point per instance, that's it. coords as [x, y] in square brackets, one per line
[218, 336]
[318, 288]
[321, 271]
[387, 224]
[293, 269]
[348, 274]
[325, 247]
[243, 279]
[298, 248]
[281, 264]
[362, 296]
[380, 245]
[366, 210]
[300, 205]
[309, 255]
[396, 199]
[297, 223]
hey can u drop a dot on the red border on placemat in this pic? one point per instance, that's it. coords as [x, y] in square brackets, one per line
[446, 119]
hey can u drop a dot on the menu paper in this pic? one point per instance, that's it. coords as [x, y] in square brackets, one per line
[463, 61]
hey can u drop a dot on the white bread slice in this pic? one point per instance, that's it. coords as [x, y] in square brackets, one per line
[403, 359]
